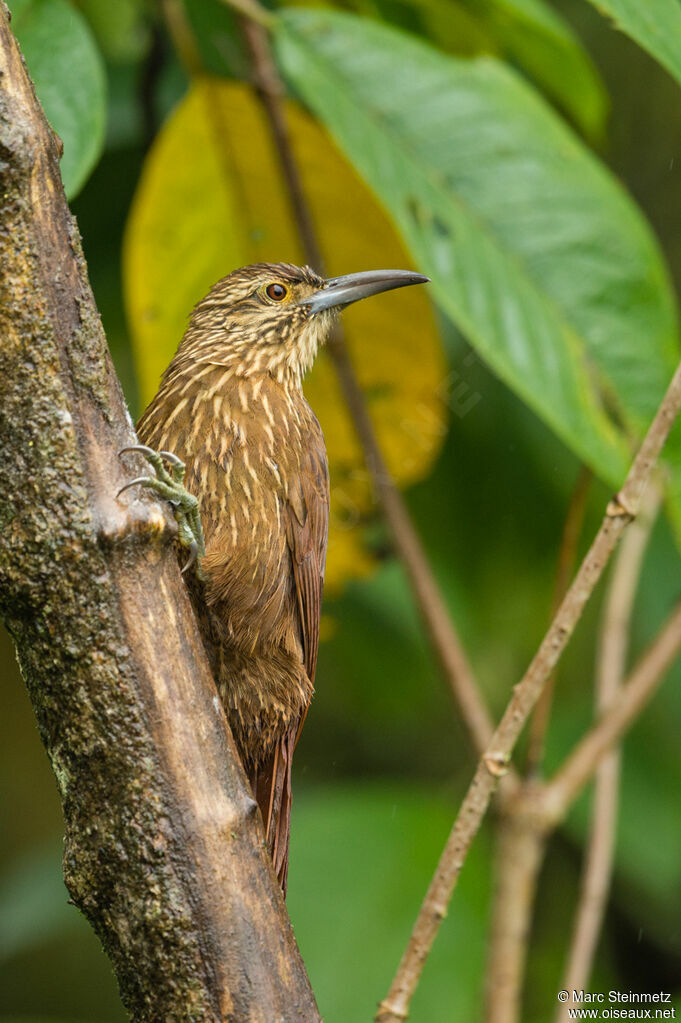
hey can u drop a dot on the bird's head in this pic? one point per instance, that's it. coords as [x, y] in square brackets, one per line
[272, 317]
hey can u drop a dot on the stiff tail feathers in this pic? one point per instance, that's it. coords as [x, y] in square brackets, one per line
[272, 792]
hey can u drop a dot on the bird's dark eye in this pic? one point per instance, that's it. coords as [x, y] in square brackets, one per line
[277, 292]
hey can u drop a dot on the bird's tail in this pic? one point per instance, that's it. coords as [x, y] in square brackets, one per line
[272, 790]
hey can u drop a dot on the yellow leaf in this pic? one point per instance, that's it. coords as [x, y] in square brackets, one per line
[210, 199]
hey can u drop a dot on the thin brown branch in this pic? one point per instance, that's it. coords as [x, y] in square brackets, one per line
[520, 846]
[428, 597]
[163, 853]
[524, 825]
[563, 789]
[182, 36]
[610, 669]
[271, 91]
[427, 594]
[620, 511]
[521, 834]
[567, 559]
[252, 10]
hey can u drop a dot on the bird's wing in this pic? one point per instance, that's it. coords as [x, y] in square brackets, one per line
[306, 515]
[307, 526]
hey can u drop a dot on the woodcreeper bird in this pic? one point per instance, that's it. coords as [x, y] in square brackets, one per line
[248, 477]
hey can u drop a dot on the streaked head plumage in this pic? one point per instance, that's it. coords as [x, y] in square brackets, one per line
[258, 317]
[273, 317]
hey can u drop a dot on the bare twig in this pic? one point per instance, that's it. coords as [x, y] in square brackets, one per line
[251, 9]
[567, 558]
[524, 827]
[271, 91]
[429, 599]
[163, 851]
[612, 656]
[563, 789]
[521, 835]
[182, 36]
[427, 594]
[520, 845]
[525, 823]
[619, 513]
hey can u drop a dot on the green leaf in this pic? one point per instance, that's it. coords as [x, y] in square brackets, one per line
[654, 24]
[535, 38]
[68, 74]
[544, 46]
[535, 251]
[527, 33]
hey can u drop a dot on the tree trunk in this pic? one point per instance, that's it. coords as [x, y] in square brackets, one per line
[164, 851]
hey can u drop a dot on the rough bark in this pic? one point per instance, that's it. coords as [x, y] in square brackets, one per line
[164, 853]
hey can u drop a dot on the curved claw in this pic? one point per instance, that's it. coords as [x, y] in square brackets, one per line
[132, 483]
[193, 554]
[172, 458]
[141, 448]
[169, 484]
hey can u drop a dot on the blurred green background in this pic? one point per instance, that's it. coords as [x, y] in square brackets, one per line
[384, 759]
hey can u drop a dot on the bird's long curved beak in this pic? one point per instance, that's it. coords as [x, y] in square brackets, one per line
[341, 291]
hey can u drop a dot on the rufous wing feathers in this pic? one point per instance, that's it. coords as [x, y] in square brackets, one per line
[306, 515]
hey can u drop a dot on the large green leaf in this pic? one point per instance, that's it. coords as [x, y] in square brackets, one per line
[68, 74]
[535, 251]
[527, 33]
[538, 41]
[654, 24]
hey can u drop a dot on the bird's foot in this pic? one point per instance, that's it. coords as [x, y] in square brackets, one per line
[170, 485]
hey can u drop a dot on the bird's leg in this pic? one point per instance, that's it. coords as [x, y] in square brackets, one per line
[170, 485]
